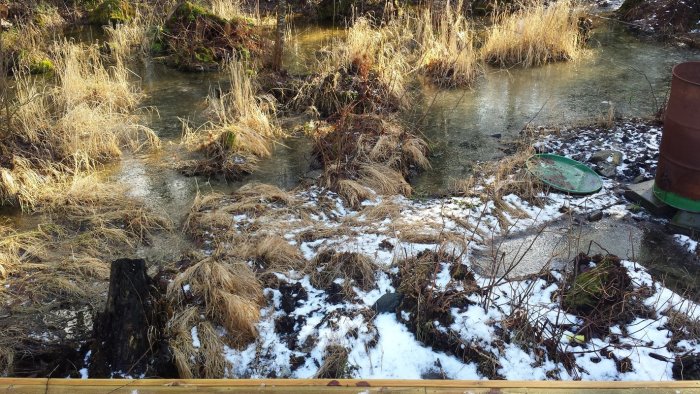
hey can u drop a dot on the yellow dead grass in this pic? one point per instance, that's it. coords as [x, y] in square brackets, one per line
[448, 55]
[365, 72]
[231, 294]
[534, 35]
[218, 291]
[242, 130]
[58, 131]
[368, 154]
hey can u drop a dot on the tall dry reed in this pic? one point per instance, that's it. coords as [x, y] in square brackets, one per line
[534, 35]
[448, 54]
[83, 118]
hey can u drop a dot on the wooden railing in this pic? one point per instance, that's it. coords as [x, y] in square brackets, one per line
[66, 386]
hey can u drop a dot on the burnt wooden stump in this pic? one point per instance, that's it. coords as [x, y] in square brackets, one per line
[121, 344]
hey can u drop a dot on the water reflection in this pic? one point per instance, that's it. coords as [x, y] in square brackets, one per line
[620, 69]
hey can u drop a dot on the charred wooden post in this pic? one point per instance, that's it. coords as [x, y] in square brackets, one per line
[122, 346]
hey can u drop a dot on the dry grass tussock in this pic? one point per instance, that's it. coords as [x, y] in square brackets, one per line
[353, 269]
[365, 73]
[243, 128]
[214, 212]
[508, 175]
[54, 132]
[270, 253]
[261, 244]
[534, 35]
[364, 154]
[226, 291]
[448, 55]
[203, 361]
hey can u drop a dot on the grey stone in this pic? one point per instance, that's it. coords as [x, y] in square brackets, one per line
[315, 174]
[595, 216]
[642, 194]
[607, 156]
[388, 303]
[606, 169]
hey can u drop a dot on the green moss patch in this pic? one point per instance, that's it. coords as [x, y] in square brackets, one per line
[597, 288]
[111, 12]
[601, 294]
[41, 66]
[198, 40]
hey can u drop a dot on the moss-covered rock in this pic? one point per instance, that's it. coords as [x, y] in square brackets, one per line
[597, 289]
[204, 55]
[190, 12]
[35, 60]
[198, 40]
[111, 12]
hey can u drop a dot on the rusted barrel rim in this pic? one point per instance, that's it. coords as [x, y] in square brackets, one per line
[686, 71]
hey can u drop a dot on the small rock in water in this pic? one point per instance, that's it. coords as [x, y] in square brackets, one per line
[387, 303]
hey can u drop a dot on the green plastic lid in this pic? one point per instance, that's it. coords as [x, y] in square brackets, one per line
[564, 174]
[676, 200]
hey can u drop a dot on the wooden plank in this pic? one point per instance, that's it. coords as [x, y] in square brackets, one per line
[155, 386]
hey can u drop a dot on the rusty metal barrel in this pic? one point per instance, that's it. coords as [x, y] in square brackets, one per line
[677, 181]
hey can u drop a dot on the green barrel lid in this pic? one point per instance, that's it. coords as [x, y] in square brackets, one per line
[564, 174]
[676, 200]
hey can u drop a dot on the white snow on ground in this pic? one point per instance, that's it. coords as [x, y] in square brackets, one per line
[686, 242]
[382, 346]
[195, 337]
[398, 355]
[638, 143]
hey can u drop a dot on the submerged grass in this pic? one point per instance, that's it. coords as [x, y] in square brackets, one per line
[534, 35]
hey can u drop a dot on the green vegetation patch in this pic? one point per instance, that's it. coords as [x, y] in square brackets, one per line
[598, 289]
[111, 12]
[41, 66]
[190, 12]
[196, 39]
